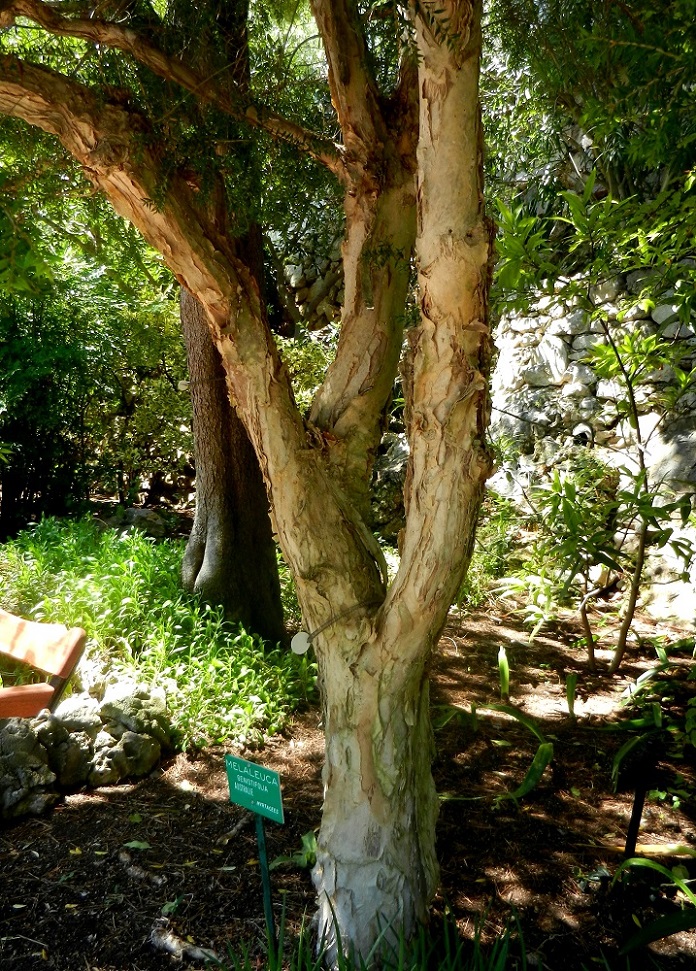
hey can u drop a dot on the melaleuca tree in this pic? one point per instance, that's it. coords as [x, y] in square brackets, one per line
[405, 148]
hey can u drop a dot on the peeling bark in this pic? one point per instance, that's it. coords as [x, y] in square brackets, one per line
[376, 860]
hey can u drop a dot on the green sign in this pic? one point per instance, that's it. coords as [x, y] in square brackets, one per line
[255, 788]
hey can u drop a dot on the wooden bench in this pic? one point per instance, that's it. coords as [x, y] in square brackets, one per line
[52, 649]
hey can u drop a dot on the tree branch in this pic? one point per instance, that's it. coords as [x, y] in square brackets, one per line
[230, 102]
[353, 88]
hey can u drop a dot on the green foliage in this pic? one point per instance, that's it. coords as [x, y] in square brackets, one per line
[307, 357]
[585, 521]
[671, 923]
[123, 589]
[621, 74]
[575, 515]
[470, 720]
[594, 528]
[495, 536]
[504, 674]
[305, 857]
[660, 701]
[525, 254]
[440, 949]
[89, 365]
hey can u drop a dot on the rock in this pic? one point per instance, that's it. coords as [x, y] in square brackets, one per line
[543, 387]
[552, 353]
[26, 781]
[665, 312]
[581, 380]
[388, 480]
[146, 520]
[610, 388]
[142, 753]
[606, 292]
[143, 712]
[583, 342]
[522, 325]
[78, 713]
[677, 331]
[82, 742]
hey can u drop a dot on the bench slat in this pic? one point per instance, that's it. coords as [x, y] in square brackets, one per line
[25, 700]
[50, 648]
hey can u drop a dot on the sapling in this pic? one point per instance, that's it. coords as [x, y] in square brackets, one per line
[571, 687]
[504, 673]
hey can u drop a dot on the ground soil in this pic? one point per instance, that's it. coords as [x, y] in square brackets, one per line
[123, 878]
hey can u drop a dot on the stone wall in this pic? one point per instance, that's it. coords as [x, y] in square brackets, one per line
[317, 287]
[86, 742]
[547, 398]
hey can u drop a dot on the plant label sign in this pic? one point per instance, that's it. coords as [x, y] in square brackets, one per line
[255, 788]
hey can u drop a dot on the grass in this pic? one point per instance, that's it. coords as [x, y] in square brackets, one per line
[123, 588]
[443, 950]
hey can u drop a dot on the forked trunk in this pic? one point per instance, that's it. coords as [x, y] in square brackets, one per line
[376, 864]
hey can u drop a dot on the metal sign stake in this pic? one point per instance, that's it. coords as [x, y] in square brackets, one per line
[258, 789]
[266, 882]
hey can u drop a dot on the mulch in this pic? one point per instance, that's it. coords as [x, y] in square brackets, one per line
[158, 873]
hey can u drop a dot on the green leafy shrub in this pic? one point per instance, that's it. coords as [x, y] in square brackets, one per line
[494, 547]
[123, 588]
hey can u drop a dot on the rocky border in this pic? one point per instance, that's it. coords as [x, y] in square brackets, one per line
[84, 743]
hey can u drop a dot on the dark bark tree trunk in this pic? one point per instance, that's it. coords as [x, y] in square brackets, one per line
[230, 557]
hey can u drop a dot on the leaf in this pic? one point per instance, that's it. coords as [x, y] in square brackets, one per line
[544, 755]
[662, 927]
[75, 851]
[135, 818]
[521, 718]
[138, 845]
[658, 868]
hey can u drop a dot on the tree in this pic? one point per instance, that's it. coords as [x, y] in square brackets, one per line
[230, 556]
[88, 365]
[619, 73]
[409, 161]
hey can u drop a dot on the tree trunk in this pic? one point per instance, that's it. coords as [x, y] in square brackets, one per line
[375, 857]
[230, 556]
[376, 864]
[376, 868]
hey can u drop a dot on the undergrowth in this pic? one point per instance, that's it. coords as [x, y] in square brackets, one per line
[498, 525]
[446, 950]
[123, 588]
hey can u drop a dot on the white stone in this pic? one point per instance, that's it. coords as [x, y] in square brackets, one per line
[316, 290]
[637, 311]
[606, 291]
[638, 280]
[523, 324]
[663, 375]
[572, 323]
[610, 388]
[551, 354]
[538, 376]
[677, 330]
[664, 312]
